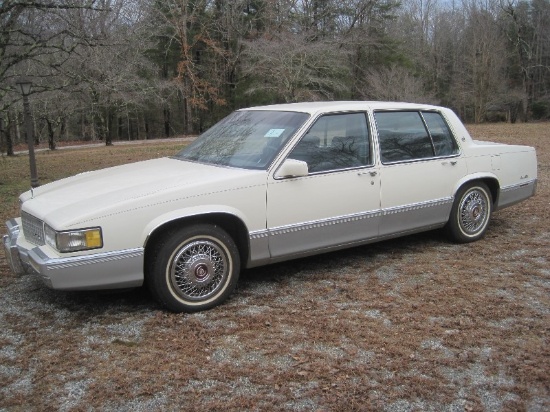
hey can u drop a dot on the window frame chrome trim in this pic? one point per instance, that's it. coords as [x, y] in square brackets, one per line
[292, 145]
[423, 159]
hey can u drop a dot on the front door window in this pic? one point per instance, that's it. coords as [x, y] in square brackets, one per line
[337, 141]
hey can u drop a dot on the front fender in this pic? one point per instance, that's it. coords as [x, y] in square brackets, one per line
[190, 212]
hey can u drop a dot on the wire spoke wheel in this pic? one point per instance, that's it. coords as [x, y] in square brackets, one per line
[471, 213]
[474, 211]
[199, 269]
[193, 268]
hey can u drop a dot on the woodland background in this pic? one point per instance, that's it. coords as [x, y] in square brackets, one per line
[106, 70]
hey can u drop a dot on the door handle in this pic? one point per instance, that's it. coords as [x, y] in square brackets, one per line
[371, 173]
[452, 163]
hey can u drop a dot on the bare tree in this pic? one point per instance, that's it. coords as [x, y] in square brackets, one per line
[484, 59]
[190, 25]
[292, 68]
[113, 80]
[364, 28]
[317, 49]
[528, 31]
[108, 69]
[396, 83]
[37, 38]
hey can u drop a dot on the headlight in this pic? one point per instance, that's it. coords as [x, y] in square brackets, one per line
[74, 240]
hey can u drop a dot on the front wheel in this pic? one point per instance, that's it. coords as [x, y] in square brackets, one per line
[193, 269]
[471, 213]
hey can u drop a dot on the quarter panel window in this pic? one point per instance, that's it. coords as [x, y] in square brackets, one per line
[337, 141]
[444, 142]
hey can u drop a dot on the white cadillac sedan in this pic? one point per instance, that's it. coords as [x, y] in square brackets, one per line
[263, 185]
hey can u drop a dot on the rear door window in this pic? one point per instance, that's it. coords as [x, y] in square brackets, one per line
[413, 135]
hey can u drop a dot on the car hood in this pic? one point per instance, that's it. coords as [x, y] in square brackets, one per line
[74, 199]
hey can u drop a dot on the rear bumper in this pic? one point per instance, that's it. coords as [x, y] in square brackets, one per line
[107, 270]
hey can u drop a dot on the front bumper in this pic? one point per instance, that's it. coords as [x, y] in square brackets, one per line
[106, 270]
[10, 247]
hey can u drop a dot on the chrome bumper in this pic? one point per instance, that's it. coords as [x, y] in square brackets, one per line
[11, 249]
[108, 270]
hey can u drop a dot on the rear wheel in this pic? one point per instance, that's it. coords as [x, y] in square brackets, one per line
[193, 269]
[471, 213]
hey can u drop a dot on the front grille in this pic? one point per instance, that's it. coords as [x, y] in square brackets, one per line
[33, 229]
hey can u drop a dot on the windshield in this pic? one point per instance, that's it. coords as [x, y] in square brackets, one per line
[248, 139]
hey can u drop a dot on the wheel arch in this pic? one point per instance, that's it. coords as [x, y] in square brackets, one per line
[230, 223]
[491, 182]
[474, 202]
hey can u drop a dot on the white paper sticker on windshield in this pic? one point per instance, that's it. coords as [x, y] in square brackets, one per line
[274, 132]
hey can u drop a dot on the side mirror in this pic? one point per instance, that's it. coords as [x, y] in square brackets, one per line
[292, 168]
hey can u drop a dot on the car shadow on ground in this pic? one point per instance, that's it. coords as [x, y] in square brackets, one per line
[88, 304]
[334, 261]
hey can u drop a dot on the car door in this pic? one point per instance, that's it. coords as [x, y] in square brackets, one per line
[420, 166]
[338, 202]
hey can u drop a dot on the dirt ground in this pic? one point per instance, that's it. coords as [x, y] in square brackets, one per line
[412, 324]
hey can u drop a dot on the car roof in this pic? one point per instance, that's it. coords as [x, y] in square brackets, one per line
[316, 107]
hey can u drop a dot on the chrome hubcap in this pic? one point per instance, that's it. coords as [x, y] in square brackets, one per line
[198, 270]
[473, 212]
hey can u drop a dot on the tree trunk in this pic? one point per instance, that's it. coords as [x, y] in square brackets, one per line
[5, 133]
[120, 127]
[63, 129]
[146, 125]
[166, 114]
[51, 137]
[525, 99]
[9, 136]
[109, 135]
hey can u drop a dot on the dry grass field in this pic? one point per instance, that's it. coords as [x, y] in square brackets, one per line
[414, 324]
